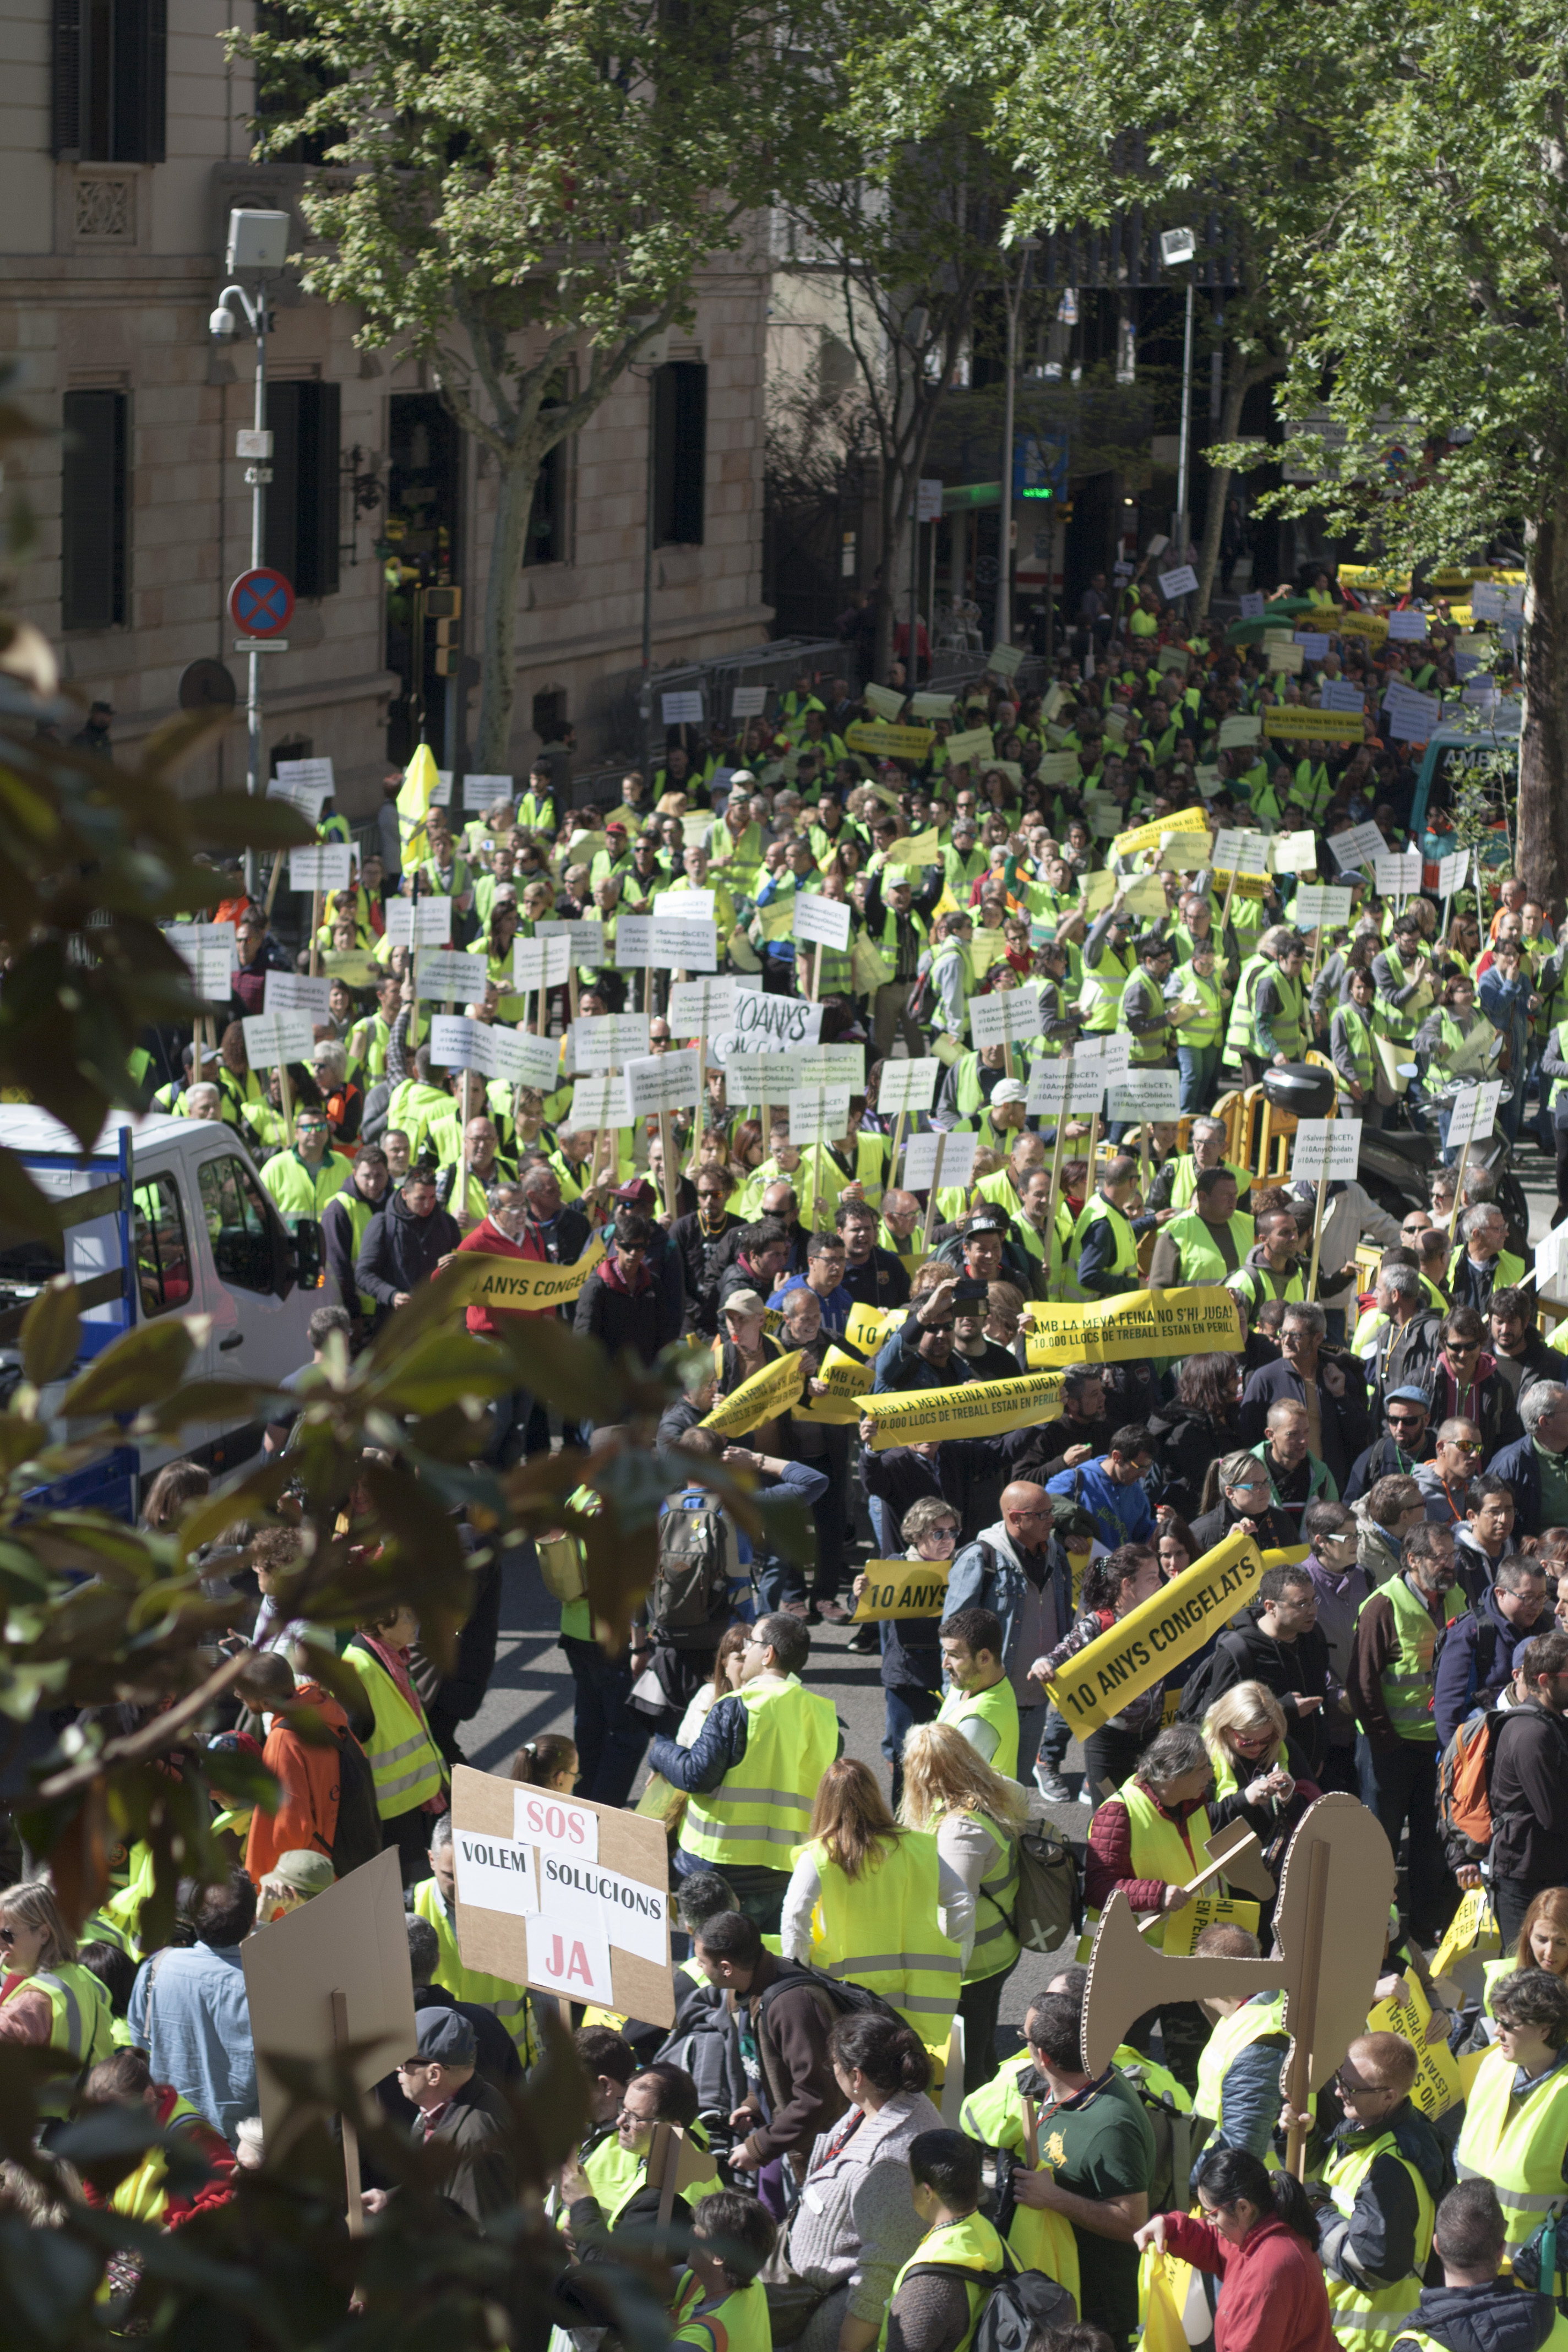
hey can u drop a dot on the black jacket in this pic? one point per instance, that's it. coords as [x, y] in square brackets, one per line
[400, 1251]
[1385, 1459]
[702, 1264]
[882, 1281]
[1274, 1533]
[471, 2136]
[1346, 1426]
[1529, 1797]
[1497, 2318]
[1289, 1669]
[619, 1319]
[1188, 1439]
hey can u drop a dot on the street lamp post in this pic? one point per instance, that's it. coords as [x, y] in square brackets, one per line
[259, 241]
[1178, 245]
[1001, 625]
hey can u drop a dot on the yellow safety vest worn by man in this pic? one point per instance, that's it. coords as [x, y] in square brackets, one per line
[738, 2322]
[998, 1709]
[1515, 2136]
[880, 1929]
[1375, 2248]
[1254, 2084]
[759, 1810]
[508, 2002]
[616, 2175]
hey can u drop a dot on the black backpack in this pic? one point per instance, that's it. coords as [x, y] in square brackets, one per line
[688, 1602]
[1017, 2301]
[848, 1998]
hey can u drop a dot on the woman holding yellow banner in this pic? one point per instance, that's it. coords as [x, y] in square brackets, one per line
[1112, 1588]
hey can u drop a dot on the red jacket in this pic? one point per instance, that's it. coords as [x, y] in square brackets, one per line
[184, 2204]
[493, 1243]
[1109, 1861]
[1273, 2300]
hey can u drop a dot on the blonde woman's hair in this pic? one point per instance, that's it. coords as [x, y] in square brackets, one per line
[1245, 1707]
[34, 1902]
[851, 1817]
[942, 1774]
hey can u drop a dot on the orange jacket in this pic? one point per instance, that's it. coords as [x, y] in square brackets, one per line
[307, 1815]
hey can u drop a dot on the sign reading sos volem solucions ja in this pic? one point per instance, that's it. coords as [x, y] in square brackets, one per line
[261, 602]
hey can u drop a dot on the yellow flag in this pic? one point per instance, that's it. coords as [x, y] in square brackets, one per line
[419, 782]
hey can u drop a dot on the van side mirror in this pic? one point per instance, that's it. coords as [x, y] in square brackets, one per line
[309, 1252]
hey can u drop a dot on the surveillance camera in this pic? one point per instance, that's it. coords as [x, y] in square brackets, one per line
[222, 323]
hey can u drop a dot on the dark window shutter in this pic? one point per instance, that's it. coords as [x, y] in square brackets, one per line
[92, 510]
[139, 79]
[66, 131]
[680, 453]
[317, 536]
[281, 529]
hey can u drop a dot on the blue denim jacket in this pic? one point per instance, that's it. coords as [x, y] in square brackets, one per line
[988, 1574]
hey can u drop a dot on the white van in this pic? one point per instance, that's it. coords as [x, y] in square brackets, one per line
[165, 1216]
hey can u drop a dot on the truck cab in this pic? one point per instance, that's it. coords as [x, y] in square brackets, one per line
[163, 1216]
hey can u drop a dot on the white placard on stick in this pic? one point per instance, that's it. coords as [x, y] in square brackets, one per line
[538, 963]
[424, 923]
[449, 976]
[292, 991]
[220, 938]
[661, 1082]
[1339, 694]
[274, 1037]
[748, 701]
[457, 1043]
[585, 940]
[1183, 582]
[684, 906]
[1113, 1057]
[1241, 729]
[1363, 844]
[604, 1040]
[1551, 1259]
[957, 1158]
[212, 972]
[1413, 716]
[1397, 872]
[762, 1020]
[1075, 1088]
[1005, 1017]
[1293, 853]
[596, 1102]
[1408, 629]
[1236, 852]
[1451, 872]
[1252, 602]
[328, 867]
[634, 935]
[681, 945]
[908, 1085]
[699, 1007]
[834, 1065]
[1326, 1150]
[1474, 1114]
[1146, 1094]
[315, 774]
[1320, 903]
[681, 709]
[883, 703]
[1314, 645]
[486, 792]
[821, 922]
[818, 1114]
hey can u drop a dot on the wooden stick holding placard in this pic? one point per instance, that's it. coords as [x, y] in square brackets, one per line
[896, 1149]
[274, 878]
[1459, 1190]
[666, 1146]
[350, 2135]
[1321, 1188]
[317, 909]
[1058, 1153]
[935, 1180]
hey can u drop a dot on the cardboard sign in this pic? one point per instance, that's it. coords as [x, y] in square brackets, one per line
[1004, 661]
[681, 906]
[1437, 2085]
[663, 1082]
[1325, 1149]
[975, 743]
[1075, 1086]
[327, 868]
[748, 701]
[424, 922]
[1181, 582]
[681, 709]
[585, 940]
[1006, 1016]
[292, 991]
[633, 942]
[957, 1160]
[1474, 1114]
[1236, 852]
[351, 1940]
[822, 921]
[1361, 845]
[696, 1007]
[1146, 1094]
[1451, 872]
[1342, 694]
[1413, 718]
[506, 1054]
[931, 705]
[908, 1085]
[1317, 904]
[884, 703]
[683, 947]
[308, 799]
[453, 977]
[1243, 728]
[876, 740]
[901, 1588]
[918, 849]
[274, 1037]
[596, 1102]
[604, 1041]
[539, 963]
[1313, 642]
[818, 1115]
[600, 1931]
[1288, 659]
[1408, 629]
[1252, 605]
[1397, 873]
[762, 1020]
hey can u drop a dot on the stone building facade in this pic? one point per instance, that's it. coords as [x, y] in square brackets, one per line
[123, 145]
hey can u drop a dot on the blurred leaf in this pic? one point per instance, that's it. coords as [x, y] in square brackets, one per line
[144, 1367]
[575, 1374]
[24, 1209]
[248, 1497]
[244, 1778]
[51, 1330]
[78, 1857]
[230, 1402]
[443, 1370]
[234, 821]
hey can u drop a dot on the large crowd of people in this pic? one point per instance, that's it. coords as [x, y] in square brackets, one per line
[1387, 1421]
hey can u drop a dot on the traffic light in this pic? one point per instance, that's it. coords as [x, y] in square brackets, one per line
[443, 603]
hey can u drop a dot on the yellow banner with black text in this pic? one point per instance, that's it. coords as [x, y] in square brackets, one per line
[1157, 1635]
[524, 1285]
[1198, 1321]
[977, 1409]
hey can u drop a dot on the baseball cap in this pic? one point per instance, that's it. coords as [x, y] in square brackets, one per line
[306, 1872]
[615, 825]
[636, 1189]
[1408, 1396]
[988, 1222]
[1010, 1090]
[895, 874]
[446, 2036]
[741, 776]
[744, 1302]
